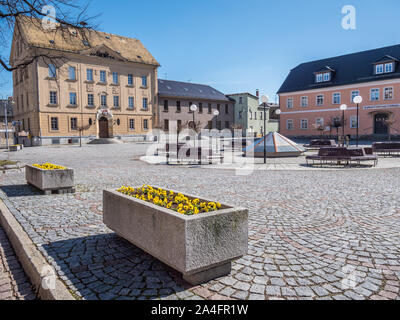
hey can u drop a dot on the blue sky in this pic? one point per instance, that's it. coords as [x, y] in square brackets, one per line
[243, 45]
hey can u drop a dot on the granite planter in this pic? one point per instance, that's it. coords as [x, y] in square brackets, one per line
[201, 246]
[61, 181]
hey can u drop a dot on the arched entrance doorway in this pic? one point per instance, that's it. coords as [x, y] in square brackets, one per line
[103, 128]
[380, 123]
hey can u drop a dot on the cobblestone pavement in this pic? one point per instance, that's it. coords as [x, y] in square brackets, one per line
[313, 234]
[14, 285]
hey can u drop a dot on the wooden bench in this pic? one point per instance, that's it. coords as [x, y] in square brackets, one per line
[340, 155]
[320, 143]
[386, 148]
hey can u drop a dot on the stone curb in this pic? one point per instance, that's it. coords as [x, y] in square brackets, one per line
[31, 259]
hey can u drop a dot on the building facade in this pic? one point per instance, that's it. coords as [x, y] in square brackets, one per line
[95, 84]
[214, 109]
[313, 92]
[249, 114]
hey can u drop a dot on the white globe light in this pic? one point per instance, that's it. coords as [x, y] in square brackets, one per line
[343, 107]
[264, 99]
[357, 99]
[216, 113]
[278, 112]
[193, 107]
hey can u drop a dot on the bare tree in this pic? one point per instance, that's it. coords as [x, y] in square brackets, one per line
[390, 123]
[65, 14]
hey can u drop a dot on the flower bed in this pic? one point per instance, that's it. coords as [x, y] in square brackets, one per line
[49, 166]
[199, 245]
[171, 200]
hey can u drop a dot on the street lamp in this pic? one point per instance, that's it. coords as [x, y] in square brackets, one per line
[357, 100]
[264, 100]
[278, 113]
[343, 108]
[193, 108]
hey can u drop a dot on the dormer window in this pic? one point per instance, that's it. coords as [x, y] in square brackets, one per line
[327, 76]
[389, 67]
[379, 69]
[387, 64]
[323, 77]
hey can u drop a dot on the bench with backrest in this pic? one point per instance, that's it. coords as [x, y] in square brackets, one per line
[173, 152]
[320, 143]
[339, 155]
[386, 148]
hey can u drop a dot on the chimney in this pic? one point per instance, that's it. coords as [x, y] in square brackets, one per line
[258, 93]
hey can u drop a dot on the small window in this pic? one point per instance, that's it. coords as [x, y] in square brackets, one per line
[374, 94]
[145, 124]
[103, 76]
[200, 107]
[379, 69]
[144, 81]
[304, 124]
[53, 97]
[178, 106]
[166, 105]
[130, 102]
[130, 79]
[115, 77]
[388, 67]
[209, 108]
[304, 102]
[54, 123]
[319, 123]
[240, 100]
[72, 73]
[74, 123]
[327, 76]
[116, 101]
[103, 100]
[72, 98]
[132, 124]
[289, 103]
[226, 109]
[354, 94]
[90, 100]
[336, 98]
[289, 124]
[145, 101]
[320, 100]
[52, 71]
[227, 125]
[388, 95]
[353, 122]
[166, 124]
[318, 78]
[89, 74]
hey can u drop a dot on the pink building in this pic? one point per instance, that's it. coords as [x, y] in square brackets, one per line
[313, 92]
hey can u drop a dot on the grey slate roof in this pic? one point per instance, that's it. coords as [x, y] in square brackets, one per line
[169, 88]
[348, 69]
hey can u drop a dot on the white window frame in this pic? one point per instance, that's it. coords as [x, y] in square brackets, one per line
[89, 74]
[327, 76]
[71, 120]
[379, 69]
[374, 90]
[145, 104]
[384, 93]
[71, 71]
[145, 127]
[90, 100]
[144, 81]
[319, 78]
[287, 124]
[323, 100]
[336, 94]
[387, 70]
[103, 76]
[131, 124]
[354, 94]
[319, 120]
[301, 124]
[73, 99]
[289, 105]
[103, 100]
[115, 78]
[130, 79]
[131, 105]
[304, 98]
[52, 71]
[116, 101]
[353, 120]
[53, 97]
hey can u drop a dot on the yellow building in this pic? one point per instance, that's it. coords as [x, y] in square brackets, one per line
[84, 82]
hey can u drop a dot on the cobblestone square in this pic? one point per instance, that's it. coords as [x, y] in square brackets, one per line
[314, 234]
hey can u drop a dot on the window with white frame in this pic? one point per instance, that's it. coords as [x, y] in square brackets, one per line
[304, 124]
[353, 122]
[389, 67]
[336, 98]
[53, 97]
[374, 94]
[74, 123]
[289, 103]
[304, 101]
[103, 76]
[319, 122]
[89, 74]
[388, 93]
[379, 69]
[354, 94]
[145, 104]
[319, 78]
[327, 76]
[130, 103]
[90, 100]
[145, 124]
[144, 81]
[116, 101]
[130, 79]
[289, 124]
[72, 98]
[71, 73]
[320, 100]
[54, 123]
[115, 77]
[132, 124]
[103, 100]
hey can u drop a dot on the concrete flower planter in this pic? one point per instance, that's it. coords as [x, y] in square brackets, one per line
[201, 246]
[61, 181]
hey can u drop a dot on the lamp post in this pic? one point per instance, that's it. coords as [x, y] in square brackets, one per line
[193, 108]
[6, 120]
[343, 108]
[357, 100]
[264, 100]
[278, 113]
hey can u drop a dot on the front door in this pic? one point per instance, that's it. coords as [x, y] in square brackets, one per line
[103, 128]
[380, 123]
